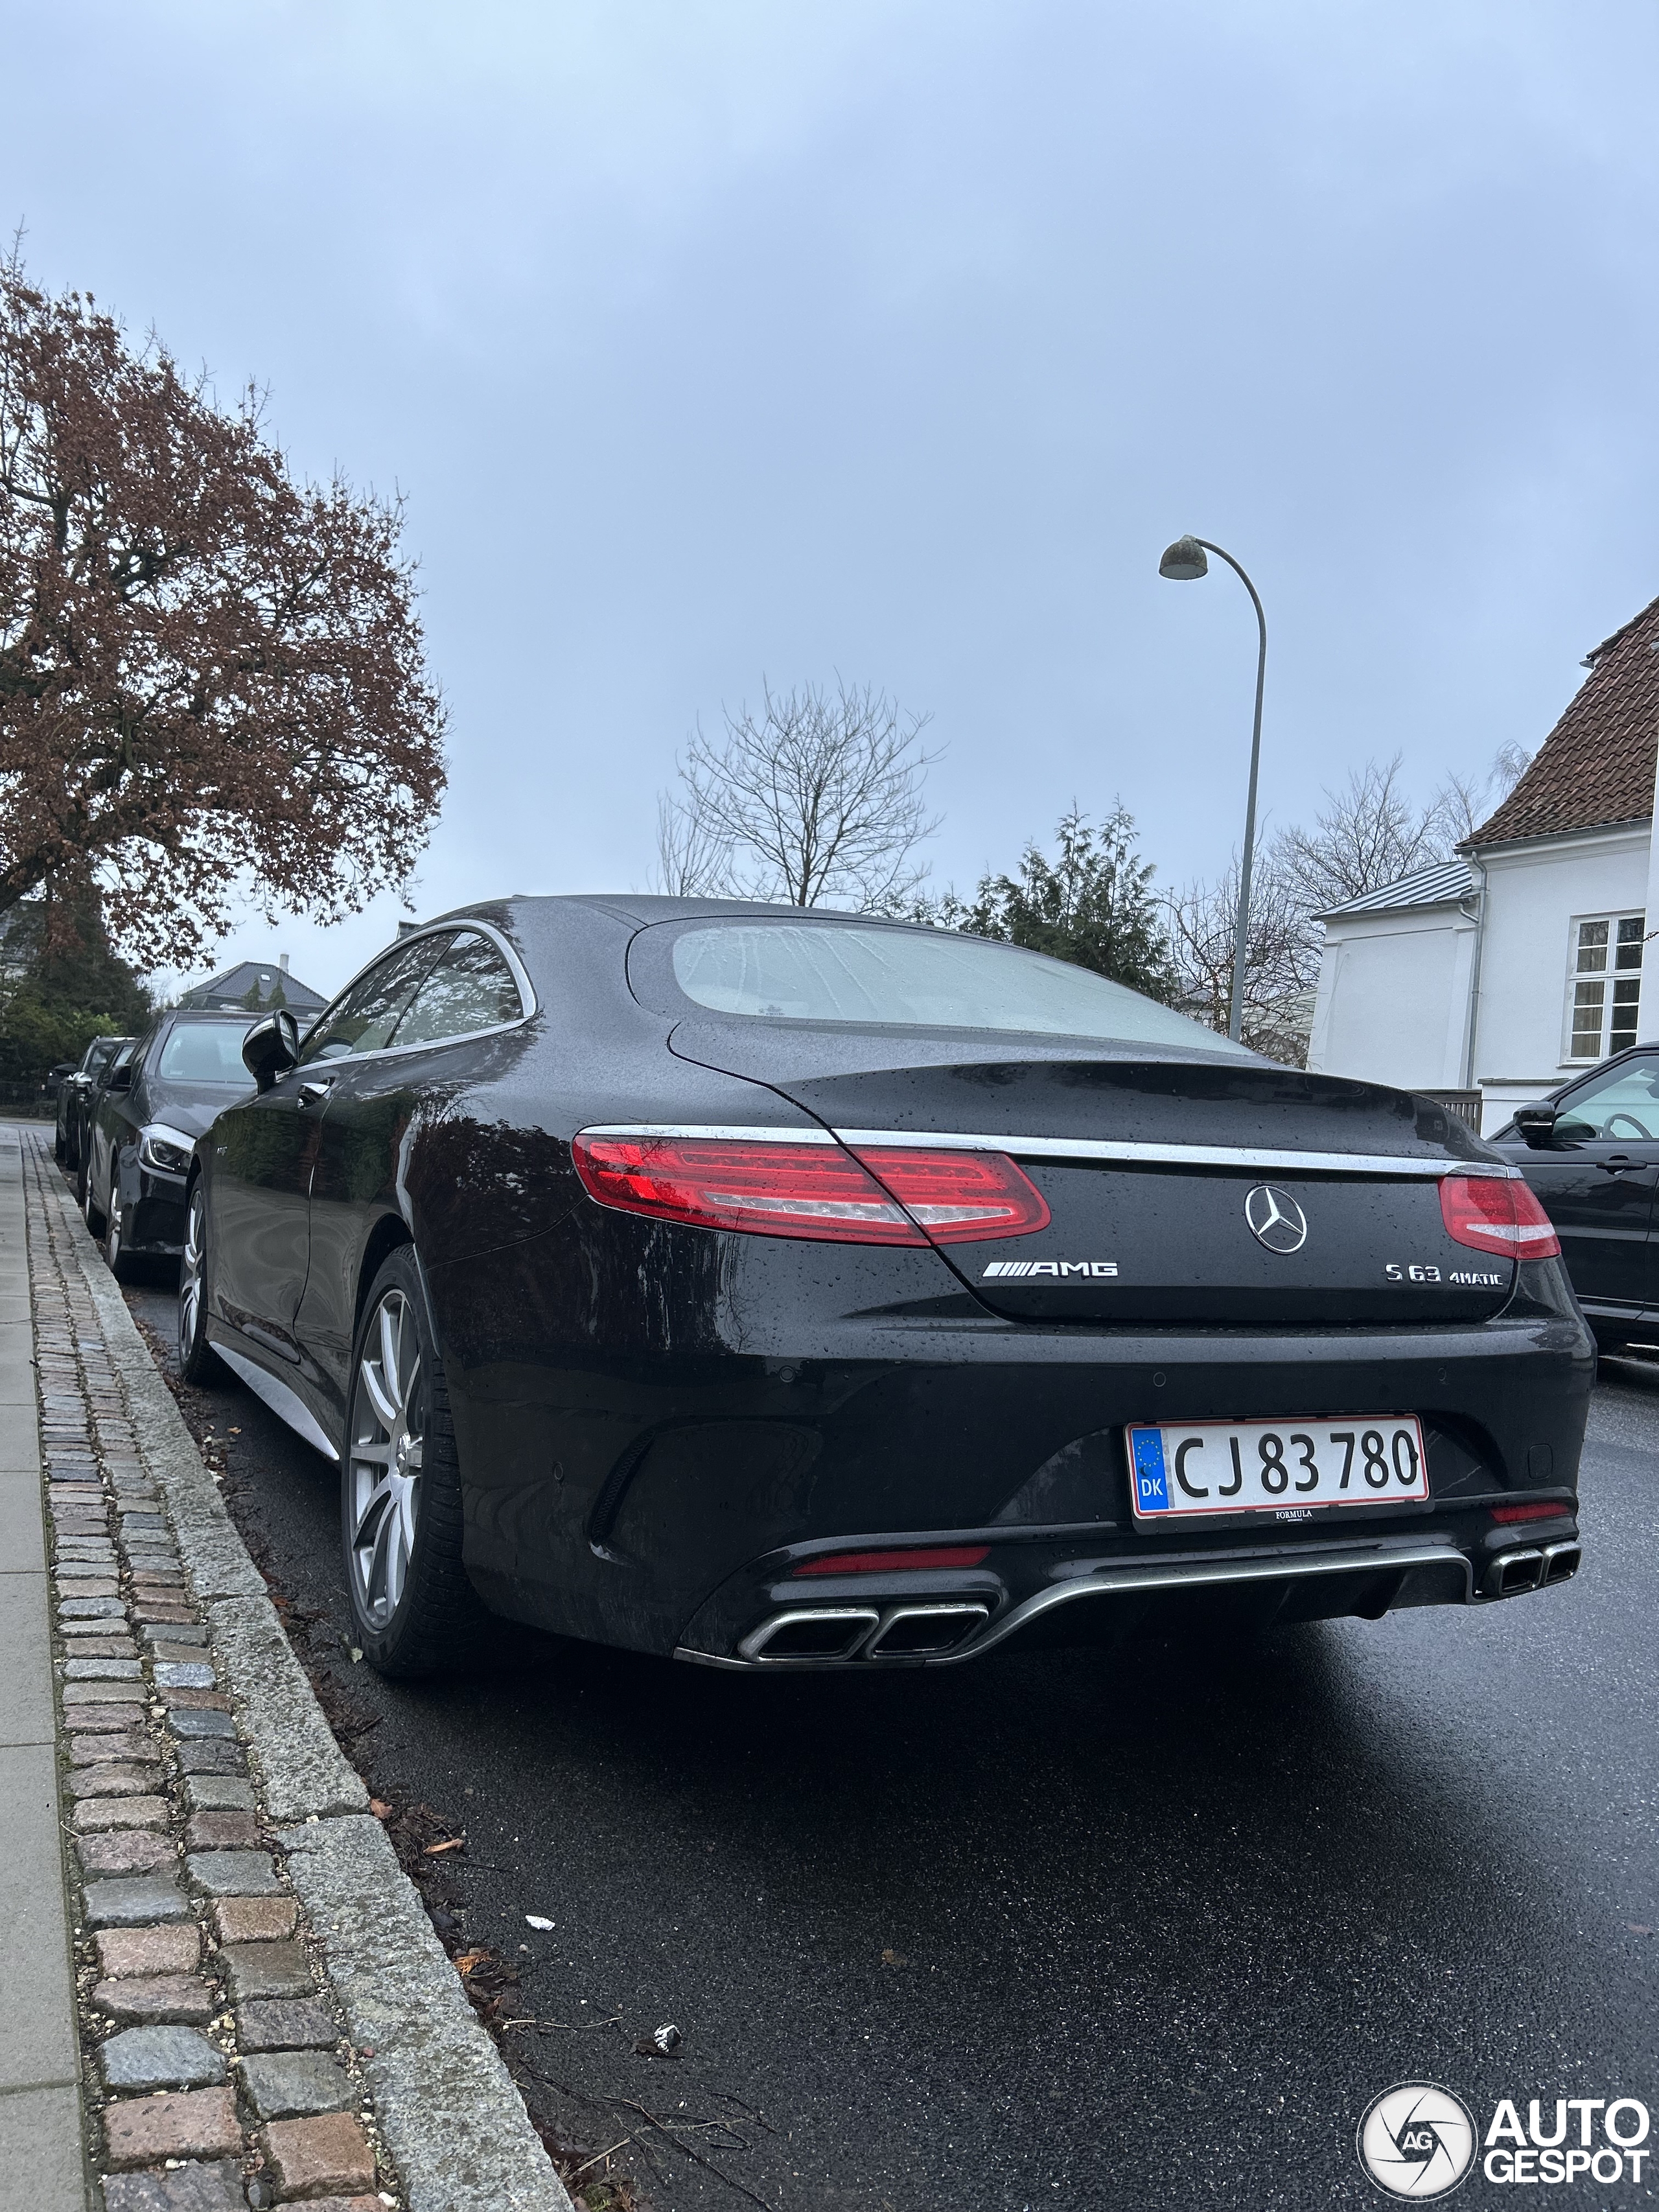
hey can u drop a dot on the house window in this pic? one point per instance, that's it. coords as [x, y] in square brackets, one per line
[1605, 984]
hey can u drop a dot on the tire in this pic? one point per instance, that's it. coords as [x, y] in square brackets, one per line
[115, 1250]
[198, 1362]
[93, 1212]
[60, 1148]
[414, 1611]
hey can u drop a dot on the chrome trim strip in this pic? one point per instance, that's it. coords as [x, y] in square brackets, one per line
[286, 1404]
[1369, 1558]
[1124, 1580]
[770, 1133]
[1259, 1159]
[526, 990]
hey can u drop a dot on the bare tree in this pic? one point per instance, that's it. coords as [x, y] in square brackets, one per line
[692, 860]
[1370, 834]
[1280, 967]
[1366, 836]
[818, 800]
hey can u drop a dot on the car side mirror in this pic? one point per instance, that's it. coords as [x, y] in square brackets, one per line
[271, 1047]
[1537, 1126]
[119, 1078]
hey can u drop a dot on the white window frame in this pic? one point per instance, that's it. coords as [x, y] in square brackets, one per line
[1576, 976]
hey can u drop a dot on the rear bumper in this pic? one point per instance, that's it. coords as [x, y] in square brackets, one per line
[651, 1471]
[1109, 1601]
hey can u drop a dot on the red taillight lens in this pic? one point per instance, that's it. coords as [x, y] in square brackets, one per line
[959, 1197]
[889, 1563]
[1537, 1512]
[1497, 1214]
[783, 1189]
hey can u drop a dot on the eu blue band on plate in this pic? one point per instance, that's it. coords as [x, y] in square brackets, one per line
[1152, 1487]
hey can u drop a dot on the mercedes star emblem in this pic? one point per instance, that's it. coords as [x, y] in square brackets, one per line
[1275, 1219]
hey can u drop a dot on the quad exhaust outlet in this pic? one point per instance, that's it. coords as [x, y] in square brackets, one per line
[1513, 1573]
[805, 1636]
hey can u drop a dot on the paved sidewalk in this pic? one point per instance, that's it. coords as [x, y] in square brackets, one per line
[42, 2168]
[224, 1988]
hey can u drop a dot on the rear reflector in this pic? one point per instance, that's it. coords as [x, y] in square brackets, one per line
[820, 1191]
[1497, 1214]
[1537, 1512]
[891, 1563]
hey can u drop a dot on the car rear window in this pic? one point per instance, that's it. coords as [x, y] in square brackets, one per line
[929, 979]
[205, 1052]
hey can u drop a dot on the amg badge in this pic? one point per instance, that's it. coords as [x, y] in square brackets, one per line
[1050, 1270]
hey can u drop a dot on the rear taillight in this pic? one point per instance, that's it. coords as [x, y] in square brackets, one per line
[784, 1189]
[1497, 1214]
[959, 1197]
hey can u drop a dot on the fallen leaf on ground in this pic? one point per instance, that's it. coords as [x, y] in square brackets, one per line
[469, 1959]
[450, 1843]
[379, 1808]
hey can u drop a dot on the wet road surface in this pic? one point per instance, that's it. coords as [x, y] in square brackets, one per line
[1070, 1929]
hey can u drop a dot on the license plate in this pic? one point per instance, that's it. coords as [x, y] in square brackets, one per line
[1182, 1469]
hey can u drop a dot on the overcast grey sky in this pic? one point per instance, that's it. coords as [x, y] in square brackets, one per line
[711, 339]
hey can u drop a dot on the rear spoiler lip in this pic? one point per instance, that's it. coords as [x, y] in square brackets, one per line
[1259, 1158]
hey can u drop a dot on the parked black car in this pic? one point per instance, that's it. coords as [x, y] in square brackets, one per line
[782, 1288]
[1591, 1151]
[75, 1098]
[152, 1102]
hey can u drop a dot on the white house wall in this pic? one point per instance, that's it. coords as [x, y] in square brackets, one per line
[1393, 997]
[1534, 894]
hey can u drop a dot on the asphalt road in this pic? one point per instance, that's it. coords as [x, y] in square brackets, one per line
[1063, 1930]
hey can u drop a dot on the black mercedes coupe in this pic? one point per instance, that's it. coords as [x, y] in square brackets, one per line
[788, 1289]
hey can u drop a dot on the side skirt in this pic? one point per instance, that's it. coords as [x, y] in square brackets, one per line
[286, 1404]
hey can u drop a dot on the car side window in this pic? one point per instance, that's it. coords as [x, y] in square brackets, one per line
[1621, 1107]
[364, 1018]
[470, 988]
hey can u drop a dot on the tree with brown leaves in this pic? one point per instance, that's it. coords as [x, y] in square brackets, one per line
[211, 676]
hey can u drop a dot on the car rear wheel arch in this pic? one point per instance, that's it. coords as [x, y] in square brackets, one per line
[389, 1232]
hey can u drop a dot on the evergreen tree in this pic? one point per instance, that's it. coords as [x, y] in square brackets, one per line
[61, 985]
[1091, 903]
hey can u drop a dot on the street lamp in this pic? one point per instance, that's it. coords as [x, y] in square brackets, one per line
[1184, 563]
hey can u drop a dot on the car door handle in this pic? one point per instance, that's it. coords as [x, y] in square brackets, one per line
[1623, 1163]
[316, 1090]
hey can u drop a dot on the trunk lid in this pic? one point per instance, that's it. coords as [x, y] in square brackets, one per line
[1181, 1190]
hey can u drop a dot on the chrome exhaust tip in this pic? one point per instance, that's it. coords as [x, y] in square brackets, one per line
[803, 1637]
[925, 1631]
[1561, 1561]
[1514, 1572]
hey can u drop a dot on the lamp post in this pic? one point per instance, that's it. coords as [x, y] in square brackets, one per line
[1184, 562]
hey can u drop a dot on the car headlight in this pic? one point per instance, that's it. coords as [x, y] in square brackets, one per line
[166, 1149]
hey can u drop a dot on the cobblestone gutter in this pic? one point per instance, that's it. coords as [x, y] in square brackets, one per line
[265, 2015]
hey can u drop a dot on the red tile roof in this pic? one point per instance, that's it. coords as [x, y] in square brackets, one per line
[1597, 766]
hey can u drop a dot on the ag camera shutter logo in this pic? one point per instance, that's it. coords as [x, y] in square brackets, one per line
[1417, 2140]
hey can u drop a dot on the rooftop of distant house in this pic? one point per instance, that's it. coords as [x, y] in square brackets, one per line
[254, 984]
[1595, 769]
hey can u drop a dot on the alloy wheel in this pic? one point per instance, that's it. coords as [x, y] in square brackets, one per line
[388, 1424]
[112, 1236]
[190, 1275]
